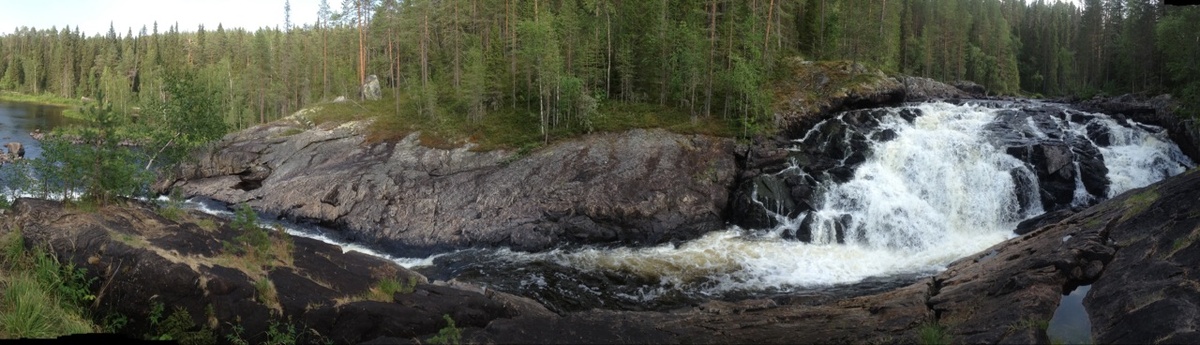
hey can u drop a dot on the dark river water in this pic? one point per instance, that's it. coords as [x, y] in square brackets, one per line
[17, 120]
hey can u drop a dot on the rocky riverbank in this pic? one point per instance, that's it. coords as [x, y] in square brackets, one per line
[646, 187]
[1138, 252]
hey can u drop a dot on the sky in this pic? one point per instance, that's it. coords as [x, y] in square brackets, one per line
[93, 16]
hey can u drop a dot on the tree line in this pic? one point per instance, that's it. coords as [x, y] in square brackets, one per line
[560, 60]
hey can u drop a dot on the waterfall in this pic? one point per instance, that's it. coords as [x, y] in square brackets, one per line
[938, 187]
[896, 192]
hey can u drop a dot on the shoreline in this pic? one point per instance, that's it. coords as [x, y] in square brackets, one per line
[70, 106]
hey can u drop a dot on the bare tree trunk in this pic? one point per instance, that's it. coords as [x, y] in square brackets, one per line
[362, 45]
[662, 41]
[712, 51]
[457, 48]
[767, 35]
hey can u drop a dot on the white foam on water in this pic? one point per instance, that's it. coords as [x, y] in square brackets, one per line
[936, 193]
[345, 246]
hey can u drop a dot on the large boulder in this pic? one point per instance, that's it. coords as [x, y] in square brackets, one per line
[639, 187]
[15, 149]
[371, 90]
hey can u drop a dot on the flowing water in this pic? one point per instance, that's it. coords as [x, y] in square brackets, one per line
[944, 186]
[941, 189]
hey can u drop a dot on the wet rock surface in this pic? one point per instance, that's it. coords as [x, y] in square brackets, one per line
[640, 187]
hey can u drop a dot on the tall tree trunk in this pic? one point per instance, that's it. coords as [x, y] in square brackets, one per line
[665, 81]
[767, 34]
[457, 48]
[712, 51]
[362, 45]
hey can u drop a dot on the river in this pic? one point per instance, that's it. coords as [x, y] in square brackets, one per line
[18, 120]
[946, 181]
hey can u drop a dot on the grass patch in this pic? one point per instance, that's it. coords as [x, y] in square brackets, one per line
[206, 224]
[260, 245]
[291, 131]
[1138, 203]
[266, 294]
[932, 333]
[385, 289]
[39, 296]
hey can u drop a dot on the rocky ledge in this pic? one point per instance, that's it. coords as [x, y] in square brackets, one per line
[1138, 252]
[634, 188]
[139, 258]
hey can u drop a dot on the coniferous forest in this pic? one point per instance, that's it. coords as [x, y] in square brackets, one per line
[558, 61]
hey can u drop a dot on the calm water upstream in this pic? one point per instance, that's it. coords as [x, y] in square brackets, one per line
[17, 120]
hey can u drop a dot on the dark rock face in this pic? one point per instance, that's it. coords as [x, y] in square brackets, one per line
[1148, 292]
[141, 258]
[1039, 135]
[971, 88]
[641, 187]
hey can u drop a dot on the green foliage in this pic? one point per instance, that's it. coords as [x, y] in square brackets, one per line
[281, 334]
[252, 238]
[192, 113]
[932, 333]
[235, 336]
[113, 323]
[39, 297]
[385, 289]
[173, 207]
[555, 66]
[88, 162]
[266, 293]
[447, 335]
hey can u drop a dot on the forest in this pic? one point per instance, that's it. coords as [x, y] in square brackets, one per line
[560, 63]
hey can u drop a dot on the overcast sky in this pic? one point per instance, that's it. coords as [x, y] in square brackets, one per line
[93, 16]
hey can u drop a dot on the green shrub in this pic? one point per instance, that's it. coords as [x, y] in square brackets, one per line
[449, 334]
[932, 333]
[173, 208]
[385, 289]
[252, 239]
[40, 297]
[281, 334]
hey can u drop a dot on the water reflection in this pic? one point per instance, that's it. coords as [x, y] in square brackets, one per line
[18, 119]
[1070, 324]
